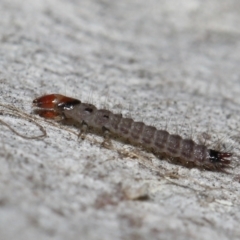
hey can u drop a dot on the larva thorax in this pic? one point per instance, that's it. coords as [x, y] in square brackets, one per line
[160, 141]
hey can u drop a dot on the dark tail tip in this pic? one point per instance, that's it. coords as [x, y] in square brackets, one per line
[221, 158]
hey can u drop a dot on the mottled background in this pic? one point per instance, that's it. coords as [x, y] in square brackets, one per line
[173, 63]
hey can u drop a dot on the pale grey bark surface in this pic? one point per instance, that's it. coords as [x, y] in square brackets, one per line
[174, 62]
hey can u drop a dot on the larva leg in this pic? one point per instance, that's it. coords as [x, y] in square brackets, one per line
[107, 141]
[83, 131]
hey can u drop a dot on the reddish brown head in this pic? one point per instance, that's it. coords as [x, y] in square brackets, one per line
[55, 101]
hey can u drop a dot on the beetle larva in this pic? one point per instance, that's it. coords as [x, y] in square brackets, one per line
[138, 133]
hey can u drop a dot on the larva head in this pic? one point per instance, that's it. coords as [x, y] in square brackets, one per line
[55, 102]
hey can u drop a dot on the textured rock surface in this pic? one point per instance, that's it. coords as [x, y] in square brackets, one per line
[170, 62]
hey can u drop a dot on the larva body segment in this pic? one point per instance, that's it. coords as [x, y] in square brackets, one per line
[136, 130]
[148, 135]
[123, 128]
[159, 141]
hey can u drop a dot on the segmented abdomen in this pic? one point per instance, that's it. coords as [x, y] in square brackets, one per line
[139, 133]
[160, 140]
